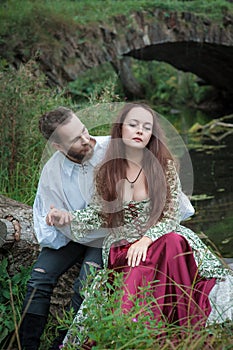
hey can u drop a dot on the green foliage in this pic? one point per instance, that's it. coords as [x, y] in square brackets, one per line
[24, 96]
[28, 25]
[11, 296]
[110, 328]
[98, 84]
[166, 87]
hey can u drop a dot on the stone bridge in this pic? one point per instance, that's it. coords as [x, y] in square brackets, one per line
[184, 40]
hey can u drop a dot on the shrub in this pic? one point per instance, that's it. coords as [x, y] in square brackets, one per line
[11, 296]
[104, 323]
[24, 95]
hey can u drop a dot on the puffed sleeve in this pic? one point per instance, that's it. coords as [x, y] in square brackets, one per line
[88, 219]
[170, 217]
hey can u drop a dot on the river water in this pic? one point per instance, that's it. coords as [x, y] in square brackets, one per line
[212, 195]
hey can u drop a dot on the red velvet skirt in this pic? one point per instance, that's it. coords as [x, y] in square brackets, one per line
[170, 275]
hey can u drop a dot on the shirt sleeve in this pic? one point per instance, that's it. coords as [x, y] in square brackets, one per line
[185, 207]
[170, 217]
[47, 236]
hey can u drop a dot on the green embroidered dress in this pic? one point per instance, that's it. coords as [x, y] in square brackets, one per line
[135, 218]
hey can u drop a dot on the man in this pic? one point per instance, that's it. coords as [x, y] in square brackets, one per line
[66, 182]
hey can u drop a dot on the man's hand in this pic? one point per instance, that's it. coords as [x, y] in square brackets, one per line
[59, 218]
[138, 251]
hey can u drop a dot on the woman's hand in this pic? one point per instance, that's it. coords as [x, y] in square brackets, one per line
[58, 218]
[138, 251]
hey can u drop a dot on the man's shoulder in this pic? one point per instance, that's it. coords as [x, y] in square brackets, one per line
[102, 140]
[55, 160]
[100, 149]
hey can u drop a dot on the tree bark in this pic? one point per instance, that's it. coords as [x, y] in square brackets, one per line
[23, 250]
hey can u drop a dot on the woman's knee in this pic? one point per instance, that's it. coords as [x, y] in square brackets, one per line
[176, 242]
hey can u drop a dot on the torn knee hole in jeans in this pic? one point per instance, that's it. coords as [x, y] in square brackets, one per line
[91, 263]
[38, 269]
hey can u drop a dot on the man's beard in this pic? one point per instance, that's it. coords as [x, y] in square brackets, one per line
[79, 157]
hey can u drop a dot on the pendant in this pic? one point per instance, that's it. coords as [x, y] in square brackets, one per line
[133, 182]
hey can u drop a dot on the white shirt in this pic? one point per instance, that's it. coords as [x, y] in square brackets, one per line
[66, 185]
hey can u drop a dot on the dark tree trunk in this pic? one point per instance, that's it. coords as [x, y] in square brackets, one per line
[131, 86]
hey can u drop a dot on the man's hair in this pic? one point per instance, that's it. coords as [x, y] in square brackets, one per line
[49, 121]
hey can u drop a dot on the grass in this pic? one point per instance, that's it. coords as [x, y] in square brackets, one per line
[105, 324]
[26, 26]
[91, 11]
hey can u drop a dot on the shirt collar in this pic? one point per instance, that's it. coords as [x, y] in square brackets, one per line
[69, 166]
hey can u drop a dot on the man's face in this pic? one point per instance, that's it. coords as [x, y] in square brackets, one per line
[74, 140]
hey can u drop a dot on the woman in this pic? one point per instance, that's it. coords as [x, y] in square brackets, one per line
[137, 189]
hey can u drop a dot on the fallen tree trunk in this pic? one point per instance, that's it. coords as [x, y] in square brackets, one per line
[20, 251]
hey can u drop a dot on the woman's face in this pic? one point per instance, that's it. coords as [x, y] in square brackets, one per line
[137, 128]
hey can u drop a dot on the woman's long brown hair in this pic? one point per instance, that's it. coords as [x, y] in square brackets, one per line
[113, 169]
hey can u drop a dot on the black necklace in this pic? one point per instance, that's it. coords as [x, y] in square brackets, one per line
[133, 182]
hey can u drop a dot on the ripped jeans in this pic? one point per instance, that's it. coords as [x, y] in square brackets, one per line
[50, 265]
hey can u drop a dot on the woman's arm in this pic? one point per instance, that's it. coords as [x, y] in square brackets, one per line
[80, 221]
